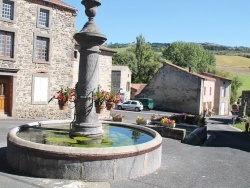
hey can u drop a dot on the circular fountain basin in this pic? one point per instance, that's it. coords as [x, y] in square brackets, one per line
[89, 164]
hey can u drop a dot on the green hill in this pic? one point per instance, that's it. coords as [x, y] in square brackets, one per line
[239, 66]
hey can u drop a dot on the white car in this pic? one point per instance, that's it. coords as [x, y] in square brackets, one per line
[130, 105]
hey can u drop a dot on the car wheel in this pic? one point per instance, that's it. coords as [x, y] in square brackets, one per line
[137, 109]
[119, 107]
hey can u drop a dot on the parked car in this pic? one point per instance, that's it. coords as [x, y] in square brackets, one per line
[147, 103]
[130, 105]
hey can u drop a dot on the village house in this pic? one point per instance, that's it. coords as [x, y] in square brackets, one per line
[38, 56]
[36, 51]
[222, 94]
[179, 90]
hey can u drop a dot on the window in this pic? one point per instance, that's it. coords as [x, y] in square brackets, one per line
[7, 10]
[75, 54]
[40, 88]
[6, 44]
[204, 90]
[44, 17]
[41, 48]
[223, 92]
[210, 92]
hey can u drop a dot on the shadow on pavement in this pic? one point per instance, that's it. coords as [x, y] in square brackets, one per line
[231, 139]
[219, 120]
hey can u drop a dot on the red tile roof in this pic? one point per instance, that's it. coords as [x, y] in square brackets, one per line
[215, 76]
[138, 87]
[193, 73]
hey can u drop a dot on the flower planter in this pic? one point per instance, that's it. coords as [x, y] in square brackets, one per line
[170, 125]
[117, 119]
[110, 105]
[142, 122]
[99, 108]
[63, 105]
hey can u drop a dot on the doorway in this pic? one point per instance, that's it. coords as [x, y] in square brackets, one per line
[6, 95]
[222, 109]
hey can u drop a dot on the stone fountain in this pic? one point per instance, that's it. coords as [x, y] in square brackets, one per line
[88, 164]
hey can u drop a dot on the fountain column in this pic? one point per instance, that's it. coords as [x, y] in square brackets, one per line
[89, 39]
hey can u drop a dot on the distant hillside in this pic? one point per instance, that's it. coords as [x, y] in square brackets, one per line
[216, 48]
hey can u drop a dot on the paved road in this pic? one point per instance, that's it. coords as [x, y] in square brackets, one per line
[222, 162]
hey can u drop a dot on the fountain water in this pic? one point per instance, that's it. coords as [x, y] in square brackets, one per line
[89, 164]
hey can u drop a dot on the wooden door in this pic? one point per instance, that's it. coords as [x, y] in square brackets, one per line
[2, 96]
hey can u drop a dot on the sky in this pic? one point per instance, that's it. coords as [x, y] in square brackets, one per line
[225, 22]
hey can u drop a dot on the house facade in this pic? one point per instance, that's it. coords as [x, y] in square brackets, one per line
[36, 56]
[121, 81]
[179, 90]
[222, 94]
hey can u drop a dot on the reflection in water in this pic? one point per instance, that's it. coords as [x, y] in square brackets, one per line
[113, 136]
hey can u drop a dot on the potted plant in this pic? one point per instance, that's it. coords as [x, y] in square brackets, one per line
[99, 99]
[112, 99]
[141, 121]
[167, 122]
[64, 95]
[117, 117]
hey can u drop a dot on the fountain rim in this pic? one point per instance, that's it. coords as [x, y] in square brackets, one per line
[65, 152]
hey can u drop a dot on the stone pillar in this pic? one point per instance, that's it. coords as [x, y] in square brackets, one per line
[89, 39]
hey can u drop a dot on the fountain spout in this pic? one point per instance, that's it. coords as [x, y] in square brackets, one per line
[89, 38]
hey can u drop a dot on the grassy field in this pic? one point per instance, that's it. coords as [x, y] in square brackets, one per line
[239, 66]
[232, 61]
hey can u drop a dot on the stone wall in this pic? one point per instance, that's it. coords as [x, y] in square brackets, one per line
[59, 69]
[175, 89]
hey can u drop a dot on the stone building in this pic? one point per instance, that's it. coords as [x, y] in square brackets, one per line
[244, 107]
[222, 94]
[179, 90]
[121, 81]
[36, 56]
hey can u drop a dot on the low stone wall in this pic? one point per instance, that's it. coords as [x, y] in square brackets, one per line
[197, 137]
[174, 133]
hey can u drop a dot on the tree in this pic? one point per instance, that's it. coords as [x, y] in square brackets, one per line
[126, 58]
[141, 59]
[190, 55]
[147, 60]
